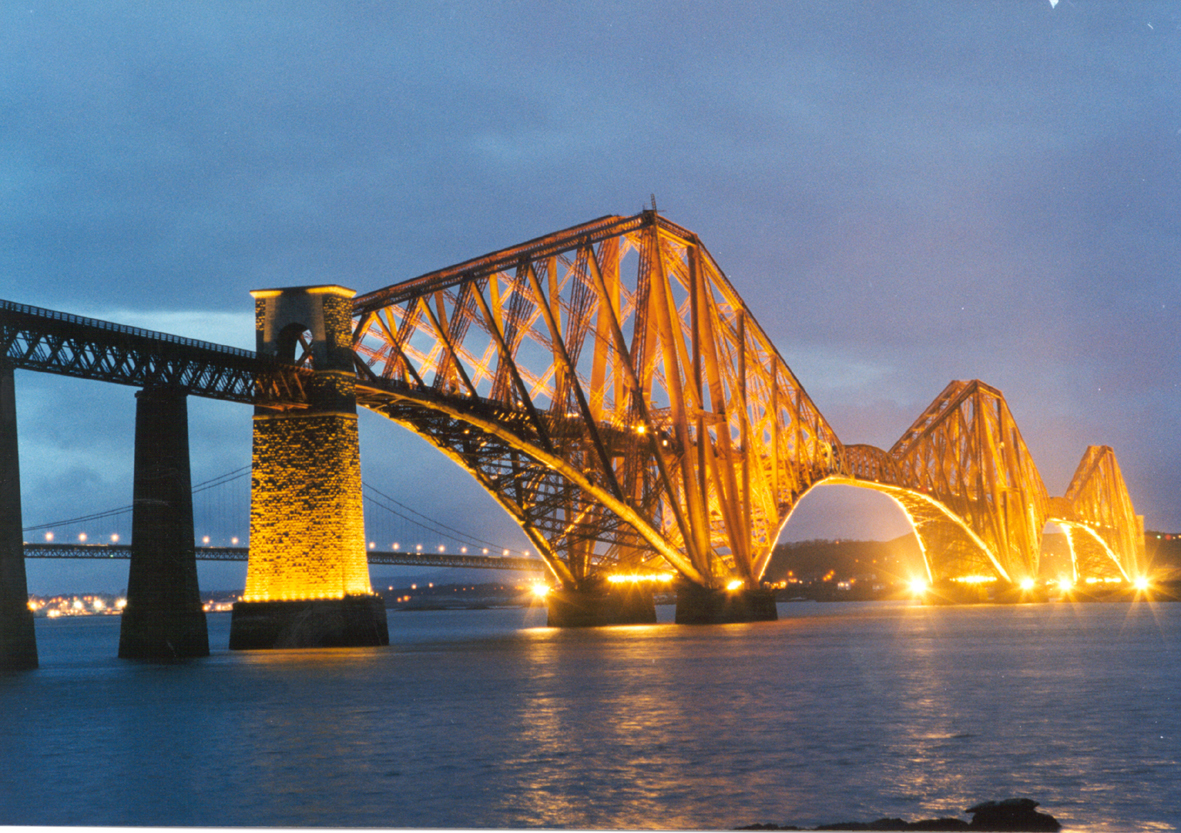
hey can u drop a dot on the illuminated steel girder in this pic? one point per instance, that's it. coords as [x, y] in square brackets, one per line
[950, 548]
[972, 489]
[610, 389]
[32, 338]
[1105, 534]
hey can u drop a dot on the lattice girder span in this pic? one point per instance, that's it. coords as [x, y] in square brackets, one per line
[1105, 534]
[966, 454]
[617, 356]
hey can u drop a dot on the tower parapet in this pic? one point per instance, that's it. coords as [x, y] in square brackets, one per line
[307, 581]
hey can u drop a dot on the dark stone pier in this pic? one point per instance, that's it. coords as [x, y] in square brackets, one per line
[601, 603]
[18, 642]
[163, 618]
[697, 605]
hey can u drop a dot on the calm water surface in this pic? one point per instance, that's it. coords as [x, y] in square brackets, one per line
[485, 719]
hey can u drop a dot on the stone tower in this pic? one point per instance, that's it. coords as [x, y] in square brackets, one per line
[307, 581]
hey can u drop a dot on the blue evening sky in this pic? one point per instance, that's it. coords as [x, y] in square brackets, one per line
[904, 193]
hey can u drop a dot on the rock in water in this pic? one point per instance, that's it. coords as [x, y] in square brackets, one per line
[1010, 814]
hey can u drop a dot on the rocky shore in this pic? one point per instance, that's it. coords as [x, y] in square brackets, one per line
[1011, 814]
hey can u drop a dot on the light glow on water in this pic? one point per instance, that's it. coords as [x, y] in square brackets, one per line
[837, 712]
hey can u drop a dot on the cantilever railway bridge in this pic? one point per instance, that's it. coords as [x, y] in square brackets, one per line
[607, 385]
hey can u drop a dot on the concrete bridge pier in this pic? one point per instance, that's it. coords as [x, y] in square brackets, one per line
[601, 603]
[163, 618]
[697, 605]
[18, 642]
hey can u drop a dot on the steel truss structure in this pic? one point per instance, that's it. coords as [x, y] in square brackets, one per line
[611, 390]
[32, 338]
[964, 476]
[1105, 534]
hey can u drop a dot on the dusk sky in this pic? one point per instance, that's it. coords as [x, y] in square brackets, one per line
[903, 193]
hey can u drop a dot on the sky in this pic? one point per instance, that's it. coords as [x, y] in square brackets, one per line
[904, 193]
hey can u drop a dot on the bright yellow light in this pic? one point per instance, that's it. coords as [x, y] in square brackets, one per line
[918, 586]
[735, 584]
[975, 579]
[1141, 583]
[1028, 584]
[540, 590]
[48, 536]
[635, 578]
[1065, 583]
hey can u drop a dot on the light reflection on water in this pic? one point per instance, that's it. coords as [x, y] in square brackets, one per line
[486, 719]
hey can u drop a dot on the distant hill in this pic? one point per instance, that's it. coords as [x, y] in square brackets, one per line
[1163, 550]
[896, 560]
[900, 559]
